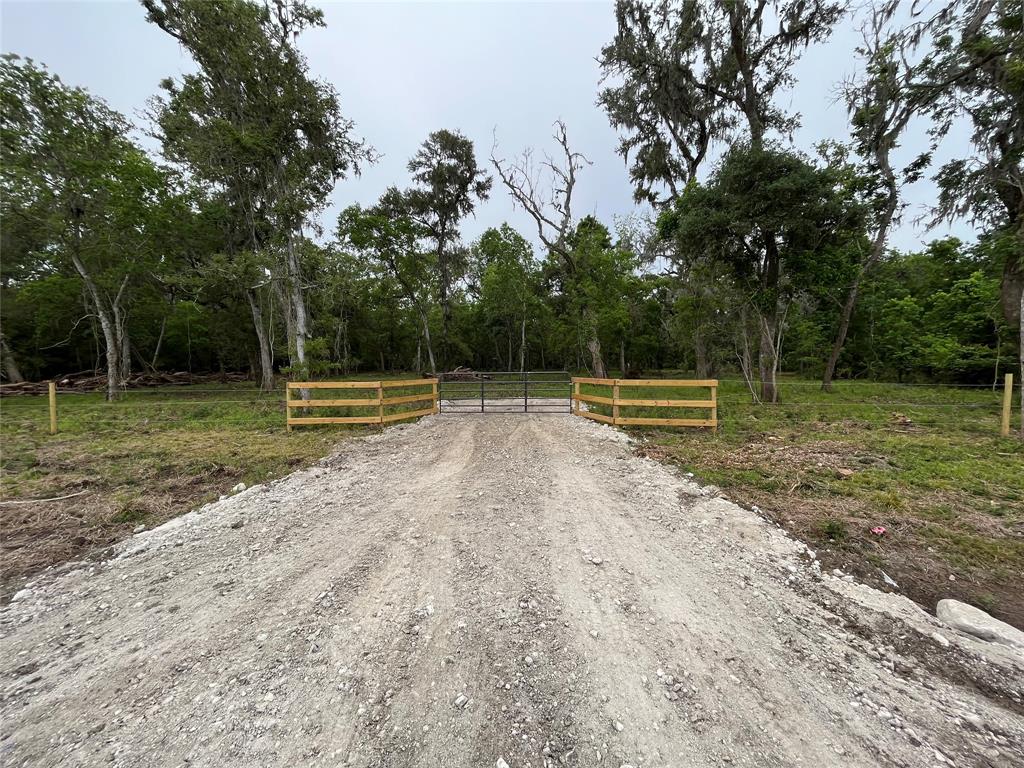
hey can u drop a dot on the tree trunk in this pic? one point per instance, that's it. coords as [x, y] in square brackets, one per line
[766, 362]
[284, 300]
[769, 353]
[159, 342]
[266, 359]
[844, 326]
[746, 355]
[522, 344]
[426, 338]
[594, 345]
[1020, 355]
[596, 361]
[124, 354]
[111, 342]
[11, 370]
[700, 352]
[298, 302]
[444, 292]
[622, 358]
[877, 249]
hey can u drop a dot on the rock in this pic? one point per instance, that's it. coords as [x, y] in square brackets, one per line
[21, 594]
[138, 529]
[844, 472]
[238, 488]
[940, 639]
[974, 721]
[461, 700]
[238, 523]
[500, 763]
[618, 726]
[974, 621]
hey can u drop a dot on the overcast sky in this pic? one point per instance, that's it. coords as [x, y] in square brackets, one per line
[405, 69]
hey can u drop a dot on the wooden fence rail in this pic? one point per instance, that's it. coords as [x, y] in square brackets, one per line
[378, 401]
[617, 402]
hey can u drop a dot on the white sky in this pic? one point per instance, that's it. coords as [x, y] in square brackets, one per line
[405, 69]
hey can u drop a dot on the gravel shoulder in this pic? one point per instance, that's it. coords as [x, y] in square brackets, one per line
[469, 589]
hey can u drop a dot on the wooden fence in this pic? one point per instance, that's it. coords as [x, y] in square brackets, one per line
[616, 402]
[378, 401]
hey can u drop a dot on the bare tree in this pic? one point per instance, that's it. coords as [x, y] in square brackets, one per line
[544, 190]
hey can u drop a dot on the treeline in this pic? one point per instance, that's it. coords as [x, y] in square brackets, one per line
[213, 256]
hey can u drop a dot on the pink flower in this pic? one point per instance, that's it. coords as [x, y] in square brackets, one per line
[878, 530]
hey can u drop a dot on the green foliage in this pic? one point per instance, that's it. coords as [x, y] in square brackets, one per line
[685, 73]
[212, 265]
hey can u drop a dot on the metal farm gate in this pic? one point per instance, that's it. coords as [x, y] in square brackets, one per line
[505, 392]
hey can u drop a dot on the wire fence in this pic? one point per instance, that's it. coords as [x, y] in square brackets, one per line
[908, 407]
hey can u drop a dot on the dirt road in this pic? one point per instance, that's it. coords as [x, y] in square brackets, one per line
[480, 591]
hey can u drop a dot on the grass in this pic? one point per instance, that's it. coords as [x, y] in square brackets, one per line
[143, 460]
[926, 463]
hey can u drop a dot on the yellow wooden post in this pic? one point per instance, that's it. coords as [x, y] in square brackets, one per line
[714, 408]
[576, 398]
[380, 402]
[615, 402]
[288, 406]
[53, 407]
[433, 391]
[1007, 397]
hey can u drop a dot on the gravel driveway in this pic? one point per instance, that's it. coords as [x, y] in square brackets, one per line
[485, 591]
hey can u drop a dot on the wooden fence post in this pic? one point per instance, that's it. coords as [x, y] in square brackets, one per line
[615, 402]
[714, 408]
[1007, 397]
[288, 407]
[576, 398]
[53, 407]
[433, 389]
[380, 402]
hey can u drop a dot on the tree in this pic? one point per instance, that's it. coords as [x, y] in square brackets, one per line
[253, 123]
[754, 194]
[692, 71]
[509, 286]
[684, 74]
[91, 196]
[549, 204]
[981, 56]
[448, 183]
[388, 236]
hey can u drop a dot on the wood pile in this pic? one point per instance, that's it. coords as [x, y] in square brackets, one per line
[89, 381]
[463, 374]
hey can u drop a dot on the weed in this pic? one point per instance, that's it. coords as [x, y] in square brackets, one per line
[834, 530]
